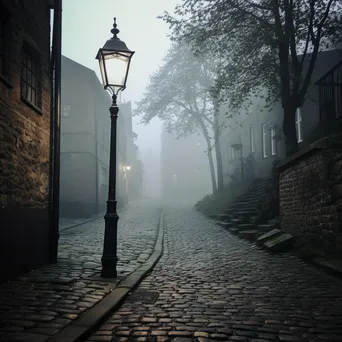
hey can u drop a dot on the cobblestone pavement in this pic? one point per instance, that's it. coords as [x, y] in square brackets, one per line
[41, 303]
[214, 286]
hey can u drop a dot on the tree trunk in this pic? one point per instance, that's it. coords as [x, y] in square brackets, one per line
[210, 155]
[219, 166]
[289, 129]
[212, 169]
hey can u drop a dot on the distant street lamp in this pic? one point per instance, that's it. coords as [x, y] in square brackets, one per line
[128, 167]
[114, 59]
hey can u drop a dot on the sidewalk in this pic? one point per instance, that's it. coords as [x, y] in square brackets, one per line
[67, 223]
[43, 302]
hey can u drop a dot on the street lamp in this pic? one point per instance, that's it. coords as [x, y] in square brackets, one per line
[114, 59]
[128, 167]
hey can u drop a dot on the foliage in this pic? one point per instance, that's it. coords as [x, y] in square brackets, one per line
[270, 44]
[179, 93]
[248, 36]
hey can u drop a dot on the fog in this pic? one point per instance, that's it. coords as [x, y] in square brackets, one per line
[167, 172]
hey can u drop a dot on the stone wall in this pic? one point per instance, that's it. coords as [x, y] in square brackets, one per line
[310, 191]
[24, 130]
[24, 143]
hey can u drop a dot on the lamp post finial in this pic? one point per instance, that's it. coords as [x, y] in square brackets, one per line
[115, 30]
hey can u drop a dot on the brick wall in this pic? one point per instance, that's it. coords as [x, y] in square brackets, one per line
[24, 131]
[310, 191]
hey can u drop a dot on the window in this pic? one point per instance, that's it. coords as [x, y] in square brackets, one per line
[273, 142]
[252, 138]
[232, 155]
[299, 125]
[4, 26]
[2, 46]
[264, 139]
[30, 91]
[66, 110]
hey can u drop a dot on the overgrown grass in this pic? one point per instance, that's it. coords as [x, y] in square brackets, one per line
[217, 203]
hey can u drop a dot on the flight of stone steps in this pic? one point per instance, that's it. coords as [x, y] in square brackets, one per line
[246, 218]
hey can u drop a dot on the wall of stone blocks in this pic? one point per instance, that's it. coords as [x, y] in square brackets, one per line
[24, 144]
[310, 192]
[24, 132]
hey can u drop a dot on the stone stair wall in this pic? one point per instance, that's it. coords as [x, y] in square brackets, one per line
[251, 217]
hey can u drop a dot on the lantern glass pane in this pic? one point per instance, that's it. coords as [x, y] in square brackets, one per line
[116, 69]
[103, 71]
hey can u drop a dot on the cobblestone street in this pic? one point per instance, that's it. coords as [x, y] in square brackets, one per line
[41, 303]
[214, 286]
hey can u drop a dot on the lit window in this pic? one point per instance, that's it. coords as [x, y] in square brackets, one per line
[252, 138]
[29, 77]
[273, 142]
[264, 138]
[299, 125]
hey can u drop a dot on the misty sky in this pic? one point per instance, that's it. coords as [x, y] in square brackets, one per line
[87, 25]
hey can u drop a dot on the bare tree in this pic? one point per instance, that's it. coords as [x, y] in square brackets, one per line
[270, 44]
[179, 94]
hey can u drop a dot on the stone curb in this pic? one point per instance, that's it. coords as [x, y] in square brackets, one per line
[81, 328]
[332, 267]
[73, 225]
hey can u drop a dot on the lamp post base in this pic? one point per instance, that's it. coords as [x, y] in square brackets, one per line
[109, 258]
[109, 267]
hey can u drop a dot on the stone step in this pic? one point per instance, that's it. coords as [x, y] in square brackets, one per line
[266, 236]
[248, 234]
[274, 222]
[225, 224]
[245, 226]
[236, 221]
[234, 231]
[246, 213]
[223, 217]
[264, 228]
[217, 221]
[246, 208]
[281, 243]
[246, 203]
[229, 210]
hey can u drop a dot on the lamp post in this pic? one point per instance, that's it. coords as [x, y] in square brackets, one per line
[114, 59]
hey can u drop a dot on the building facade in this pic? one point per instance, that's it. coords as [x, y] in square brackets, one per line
[254, 141]
[133, 171]
[85, 139]
[185, 173]
[25, 106]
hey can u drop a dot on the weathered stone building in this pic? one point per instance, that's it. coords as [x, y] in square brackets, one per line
[133, 173]
[254, 136]
[310, 180]
[85, 143]
[24, 134]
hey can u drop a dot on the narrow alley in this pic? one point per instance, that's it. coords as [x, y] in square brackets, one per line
[213, 286]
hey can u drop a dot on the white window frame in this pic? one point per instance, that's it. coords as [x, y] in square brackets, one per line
[232, 153]
[273, 142]
[264, 141]
[299, 125]
[66, 109]
[252, 138]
